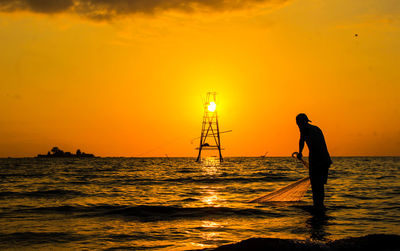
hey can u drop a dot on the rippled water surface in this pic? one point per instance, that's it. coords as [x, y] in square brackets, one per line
[177, 204]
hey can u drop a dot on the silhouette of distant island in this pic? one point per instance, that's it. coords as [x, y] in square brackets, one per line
[57, 153]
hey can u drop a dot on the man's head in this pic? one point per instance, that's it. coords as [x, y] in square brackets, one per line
[302, 120]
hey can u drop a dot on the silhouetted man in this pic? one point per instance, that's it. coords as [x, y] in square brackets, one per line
[319, 159]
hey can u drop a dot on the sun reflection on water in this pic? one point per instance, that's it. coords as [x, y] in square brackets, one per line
[210, 224]
[210, 198]
[211, 232]
[210, 165]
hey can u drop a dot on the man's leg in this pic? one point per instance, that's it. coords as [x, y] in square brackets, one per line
[317, 186]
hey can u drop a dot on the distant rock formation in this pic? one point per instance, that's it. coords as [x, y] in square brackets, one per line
[58, 153]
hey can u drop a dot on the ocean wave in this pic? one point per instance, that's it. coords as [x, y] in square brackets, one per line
[133, 237]
[141, 247]
[168, 212]
[229, 179]
[196, 180]
[369, 242]
[200, 179]
[9, 176]
[31, 238]
[43, 193]
[149, 213]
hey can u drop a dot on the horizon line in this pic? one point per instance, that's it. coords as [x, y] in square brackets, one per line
[166, 157]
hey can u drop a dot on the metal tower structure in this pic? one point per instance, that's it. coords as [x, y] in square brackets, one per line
[210, 135]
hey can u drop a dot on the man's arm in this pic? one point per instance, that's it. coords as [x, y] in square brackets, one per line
[301, 146]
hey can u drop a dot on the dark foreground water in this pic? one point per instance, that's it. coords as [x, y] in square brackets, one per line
[177, 204]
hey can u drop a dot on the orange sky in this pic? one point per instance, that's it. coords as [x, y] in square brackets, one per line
[127, 78]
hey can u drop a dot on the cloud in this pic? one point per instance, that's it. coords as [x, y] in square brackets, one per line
[40, 6]
[109, 9]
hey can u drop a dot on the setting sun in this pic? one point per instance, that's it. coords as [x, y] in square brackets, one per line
[212, 106]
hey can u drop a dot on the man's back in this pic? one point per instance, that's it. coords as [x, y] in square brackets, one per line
[315, 141]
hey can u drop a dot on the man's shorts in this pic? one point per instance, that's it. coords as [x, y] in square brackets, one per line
[319, 174]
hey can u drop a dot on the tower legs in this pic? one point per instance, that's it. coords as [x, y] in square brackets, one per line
[210, 138]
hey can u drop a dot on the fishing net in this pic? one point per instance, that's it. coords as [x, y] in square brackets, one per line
[292, 192]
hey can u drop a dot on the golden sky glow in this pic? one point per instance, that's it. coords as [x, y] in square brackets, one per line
[128, 79]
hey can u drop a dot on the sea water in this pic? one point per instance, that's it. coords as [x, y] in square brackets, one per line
[178, 204]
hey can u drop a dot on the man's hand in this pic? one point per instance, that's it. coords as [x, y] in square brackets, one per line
[299, 156]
